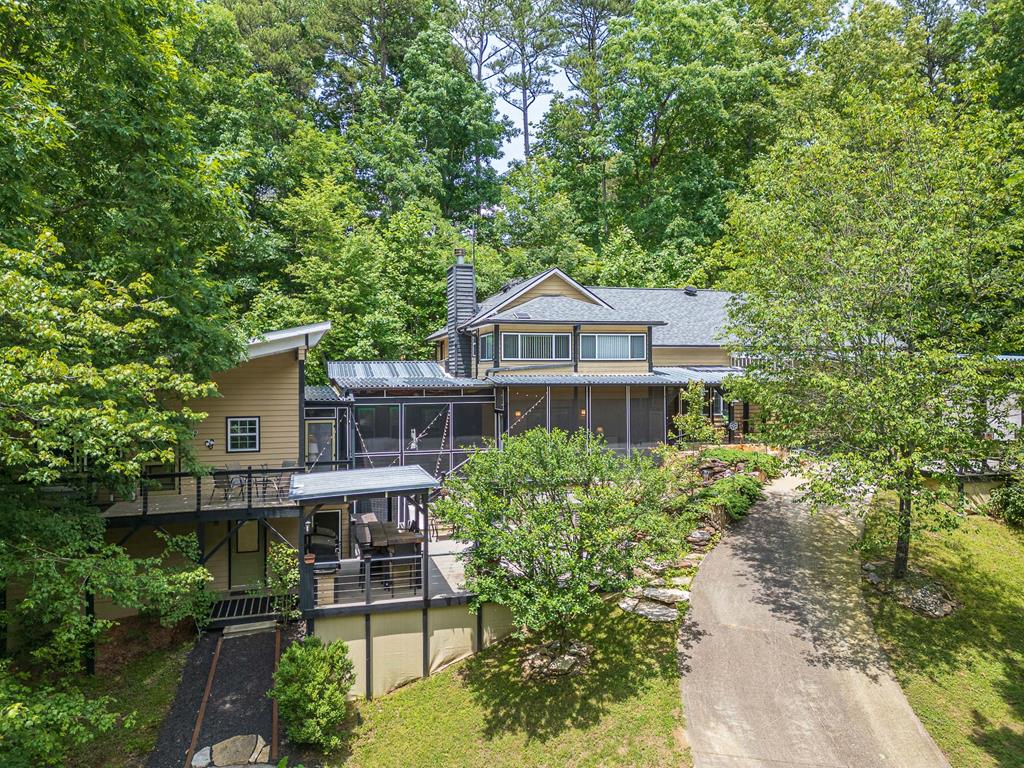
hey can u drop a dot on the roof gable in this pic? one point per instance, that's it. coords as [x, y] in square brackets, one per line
[553, 282]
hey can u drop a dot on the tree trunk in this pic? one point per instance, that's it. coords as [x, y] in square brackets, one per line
[899, 568]
[526, 116]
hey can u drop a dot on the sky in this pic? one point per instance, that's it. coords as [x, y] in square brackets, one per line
[513, 149]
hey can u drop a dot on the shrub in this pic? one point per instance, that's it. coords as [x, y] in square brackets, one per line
[311, 687]
[736, 493]
[283, 580]
[753, 461]
[1008, 503]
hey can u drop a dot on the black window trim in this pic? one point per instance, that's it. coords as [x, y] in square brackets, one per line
[227, 434]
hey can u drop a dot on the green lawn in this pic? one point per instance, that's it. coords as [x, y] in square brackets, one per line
[624, 711]
[140, 670]
[964, 675]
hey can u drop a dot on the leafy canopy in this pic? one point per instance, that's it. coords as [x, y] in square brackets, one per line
[556, 520]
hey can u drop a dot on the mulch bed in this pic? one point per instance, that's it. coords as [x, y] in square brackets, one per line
[176, 732]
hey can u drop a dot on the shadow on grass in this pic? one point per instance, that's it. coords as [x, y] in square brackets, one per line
[630, 654]
[801, 568]
[981, 646]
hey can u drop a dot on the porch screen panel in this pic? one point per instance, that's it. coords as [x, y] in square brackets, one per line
[646, 417]
[608, 415]
[568, 408]
[377, 428]
[673, 406]
[526, 409]
[473, 424]
[426, 426]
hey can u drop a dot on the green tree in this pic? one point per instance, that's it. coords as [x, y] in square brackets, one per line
[879, 253]
[529, 31]
[624, 263]
[692, 425]
[556, 521]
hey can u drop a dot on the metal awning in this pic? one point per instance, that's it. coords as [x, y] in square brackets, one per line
[659, 377]
[354, 483]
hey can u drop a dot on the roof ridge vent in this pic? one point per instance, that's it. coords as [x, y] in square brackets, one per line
[690, 290]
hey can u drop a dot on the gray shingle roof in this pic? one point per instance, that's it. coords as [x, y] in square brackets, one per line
[314, 486]
[395, 374]
[320, 393]
[565, 309]
[690, 320]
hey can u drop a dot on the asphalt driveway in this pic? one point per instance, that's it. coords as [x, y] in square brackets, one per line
[780, 664]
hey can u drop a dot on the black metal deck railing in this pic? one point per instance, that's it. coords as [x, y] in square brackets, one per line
[252, 487]
[367, 580]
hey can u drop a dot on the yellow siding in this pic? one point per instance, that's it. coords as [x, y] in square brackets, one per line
[267, 387]
[668, 356]
[552, 285]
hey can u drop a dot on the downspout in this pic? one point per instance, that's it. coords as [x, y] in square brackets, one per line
[302, 404]
[576, 348]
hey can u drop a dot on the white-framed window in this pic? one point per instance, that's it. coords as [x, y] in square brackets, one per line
[486, 351]
[719, 404]
[243, 434]
[536, 346]
[613, 346]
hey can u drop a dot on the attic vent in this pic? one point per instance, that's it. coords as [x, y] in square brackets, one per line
[521, 315]
[690, 290]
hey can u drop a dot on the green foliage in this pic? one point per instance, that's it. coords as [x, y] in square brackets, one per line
[691, 424]
[311, 687]
[753, 461]
[42, 724]
[283, 579]
[556, 520]
[737, 493]
[875, 258]
[1008, 503]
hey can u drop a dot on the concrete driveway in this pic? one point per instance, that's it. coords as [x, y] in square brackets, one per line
[780, 664]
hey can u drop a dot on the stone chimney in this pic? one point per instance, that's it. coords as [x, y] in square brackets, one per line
[461, 307]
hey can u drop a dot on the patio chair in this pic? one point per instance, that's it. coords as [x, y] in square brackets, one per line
[227, 484]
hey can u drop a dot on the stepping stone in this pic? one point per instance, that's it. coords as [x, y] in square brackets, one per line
[667, 596]
[202, 758]
[260, 745]
[234, 751]
[655, 611]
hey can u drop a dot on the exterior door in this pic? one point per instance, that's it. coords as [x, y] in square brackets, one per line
[320, 444]
[248, 558]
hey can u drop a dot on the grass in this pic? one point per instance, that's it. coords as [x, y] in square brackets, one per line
[625, 710]
[139, 667]
[964, 674]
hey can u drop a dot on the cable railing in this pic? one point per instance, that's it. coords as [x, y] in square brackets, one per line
[219, 489]
[367, 580]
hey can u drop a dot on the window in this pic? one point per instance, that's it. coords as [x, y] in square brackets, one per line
[487, 347]
[536, 346]
[719, 404]
[613, 346]
[243, 434]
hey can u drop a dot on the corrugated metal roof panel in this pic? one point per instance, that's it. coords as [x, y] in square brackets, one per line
[659, 377]
[395, 374]
[318, 486]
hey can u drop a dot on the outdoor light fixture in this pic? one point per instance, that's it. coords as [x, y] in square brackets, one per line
[517, 414]
[600, 430]
[583, 411]
[209, 444]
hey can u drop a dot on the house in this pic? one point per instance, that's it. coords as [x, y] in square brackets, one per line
[345, 472]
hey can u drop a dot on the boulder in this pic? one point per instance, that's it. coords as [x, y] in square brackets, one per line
[234, 751]
[202, 758]
[699, 537]
[691, 561]
[264, 755]
[628, 603]
[666, 596]
[655, 611]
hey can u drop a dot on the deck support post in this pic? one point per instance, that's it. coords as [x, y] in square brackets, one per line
[369, 656]
[305, 569]
[425, 563]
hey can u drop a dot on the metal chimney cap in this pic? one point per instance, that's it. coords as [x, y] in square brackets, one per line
[460, 255]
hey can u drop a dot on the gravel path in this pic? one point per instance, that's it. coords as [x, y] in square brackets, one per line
[176, 732]
[238, 701]
[780, 663]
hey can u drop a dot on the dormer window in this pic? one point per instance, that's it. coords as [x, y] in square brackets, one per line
[613, 346]
[536, 346]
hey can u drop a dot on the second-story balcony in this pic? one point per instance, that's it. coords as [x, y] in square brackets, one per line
[184, 495]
